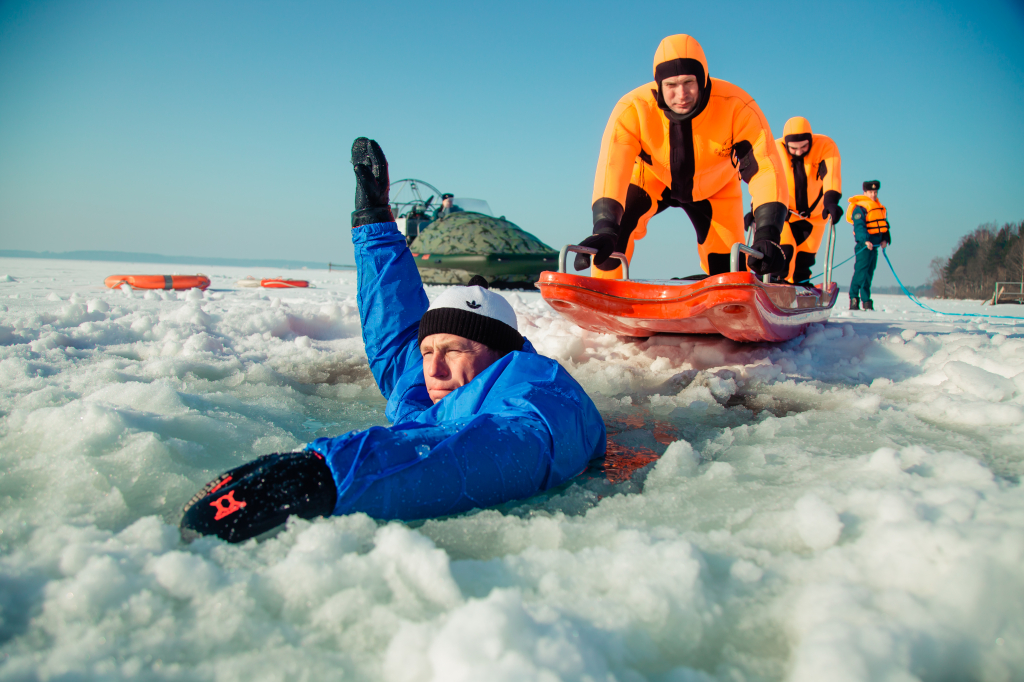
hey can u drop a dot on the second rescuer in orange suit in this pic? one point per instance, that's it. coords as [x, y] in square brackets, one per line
[687, 140]
[815, 187]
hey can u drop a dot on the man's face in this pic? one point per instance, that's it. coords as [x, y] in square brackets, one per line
[451, 361]
[680, 93]
[446, 202]
[799, 148]
[872, 194]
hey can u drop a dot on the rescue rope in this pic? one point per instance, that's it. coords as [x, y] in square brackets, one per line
[914, 298]
[820, 274]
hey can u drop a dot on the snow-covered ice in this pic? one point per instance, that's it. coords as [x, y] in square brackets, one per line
[844, 506]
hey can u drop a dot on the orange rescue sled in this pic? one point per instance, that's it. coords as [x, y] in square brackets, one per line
[178, 282]
[735, 304]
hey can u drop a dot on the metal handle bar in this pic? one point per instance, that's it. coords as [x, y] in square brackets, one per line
[590, 252]
[734, 257]
[830, 254]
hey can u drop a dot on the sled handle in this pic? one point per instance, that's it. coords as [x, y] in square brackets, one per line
[734, 255]
[830, 253]
[590, 252]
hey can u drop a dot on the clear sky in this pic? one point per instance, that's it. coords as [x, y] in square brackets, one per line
[223, 129]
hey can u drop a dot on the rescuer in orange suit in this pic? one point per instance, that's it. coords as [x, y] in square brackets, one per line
[815, 184]
[687, 140]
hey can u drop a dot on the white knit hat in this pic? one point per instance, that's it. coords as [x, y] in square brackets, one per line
[474, 313]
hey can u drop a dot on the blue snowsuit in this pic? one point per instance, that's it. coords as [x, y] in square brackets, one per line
[521, 426]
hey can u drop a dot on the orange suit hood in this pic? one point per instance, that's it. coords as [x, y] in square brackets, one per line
[798, 125]
[682, 55]
[674, 52]
[798, 129]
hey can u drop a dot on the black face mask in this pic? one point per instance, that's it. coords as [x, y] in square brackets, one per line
[683, 67]
[801, 137]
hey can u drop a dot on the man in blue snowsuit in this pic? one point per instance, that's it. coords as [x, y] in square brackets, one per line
[479, 418]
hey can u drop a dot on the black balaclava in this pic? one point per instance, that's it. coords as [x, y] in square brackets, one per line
[683, 67]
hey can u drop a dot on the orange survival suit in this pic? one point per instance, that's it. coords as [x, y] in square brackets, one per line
[815, 188]
[652, 158]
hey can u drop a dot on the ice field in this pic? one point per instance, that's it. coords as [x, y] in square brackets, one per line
[845, 506]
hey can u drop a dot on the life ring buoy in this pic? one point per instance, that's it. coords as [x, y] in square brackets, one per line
[166, 282]
[277, 283]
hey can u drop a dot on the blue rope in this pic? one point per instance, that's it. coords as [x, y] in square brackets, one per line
[821, 274]
[914, 298]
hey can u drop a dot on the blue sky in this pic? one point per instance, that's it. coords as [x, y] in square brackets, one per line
[223, 128]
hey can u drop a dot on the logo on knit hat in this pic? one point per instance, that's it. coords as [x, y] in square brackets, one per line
[473, 304]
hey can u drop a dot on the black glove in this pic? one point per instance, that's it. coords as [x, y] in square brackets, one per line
[831, 206]
[372, 183]
[770, 218]
[774, 259]
[255, 497]
[605, 244]
[748, 220]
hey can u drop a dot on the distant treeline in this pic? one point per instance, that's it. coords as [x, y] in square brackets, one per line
[988, 255]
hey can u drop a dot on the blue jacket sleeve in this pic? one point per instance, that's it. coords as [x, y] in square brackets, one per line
[391, 302]
[860, 228]
[416, 471]
[520, 427]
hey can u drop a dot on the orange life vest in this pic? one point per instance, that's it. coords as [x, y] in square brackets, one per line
[874, 220]
[638, 137]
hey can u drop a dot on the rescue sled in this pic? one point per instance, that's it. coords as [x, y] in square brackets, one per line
[177, 282]
[735, 304]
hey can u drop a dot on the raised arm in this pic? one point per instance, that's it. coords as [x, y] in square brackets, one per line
[391, 298]
[391, 301]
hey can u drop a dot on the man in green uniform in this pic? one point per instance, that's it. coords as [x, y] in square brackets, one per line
[871, 231]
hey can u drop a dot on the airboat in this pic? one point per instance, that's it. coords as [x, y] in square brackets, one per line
[468, 241]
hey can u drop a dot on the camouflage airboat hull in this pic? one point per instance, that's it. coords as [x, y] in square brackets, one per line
[454, 249]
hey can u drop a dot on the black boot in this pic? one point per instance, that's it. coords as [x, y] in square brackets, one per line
[854, 303]
[868, 305]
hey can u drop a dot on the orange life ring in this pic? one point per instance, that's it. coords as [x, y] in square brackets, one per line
[277, 283]
[177, 282]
